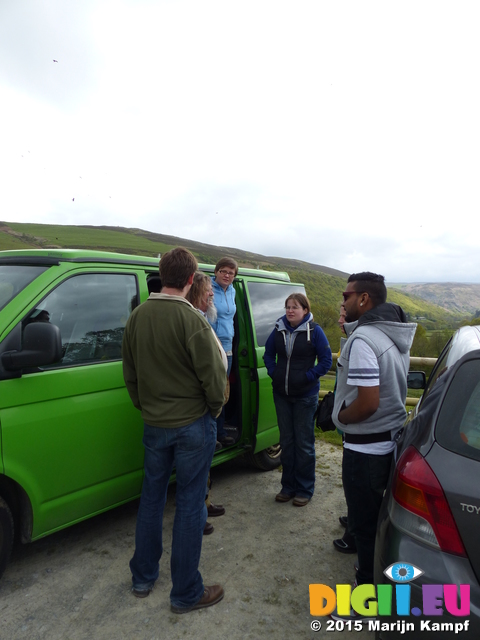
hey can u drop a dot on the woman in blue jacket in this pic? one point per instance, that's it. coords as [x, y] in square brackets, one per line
[297, 353]
[224, 300]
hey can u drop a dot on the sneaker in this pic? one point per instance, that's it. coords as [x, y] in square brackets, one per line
[300, 501]
[283, 497]
[345, 544]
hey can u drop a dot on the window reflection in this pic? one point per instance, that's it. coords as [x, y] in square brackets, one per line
[91, 311]
[268, 304]
[458, 427]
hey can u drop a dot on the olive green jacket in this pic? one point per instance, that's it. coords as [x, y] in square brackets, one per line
[171, 362]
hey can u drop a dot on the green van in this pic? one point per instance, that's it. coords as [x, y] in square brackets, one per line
[70, 438]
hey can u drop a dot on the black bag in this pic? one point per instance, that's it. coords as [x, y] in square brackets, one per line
[323, 414]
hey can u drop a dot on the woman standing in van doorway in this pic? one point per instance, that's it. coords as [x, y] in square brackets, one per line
[291, 351]
[224, 300]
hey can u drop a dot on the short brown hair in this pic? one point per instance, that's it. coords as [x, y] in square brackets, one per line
[226, 262]
[176, 266]
[198, 289]
[301, 299]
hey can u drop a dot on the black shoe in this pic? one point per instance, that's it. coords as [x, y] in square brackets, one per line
[215, 510]
[207, 529]
[344, 547]
[141, 593]
[343, 521]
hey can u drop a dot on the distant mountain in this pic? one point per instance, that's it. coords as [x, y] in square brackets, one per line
[453, 296]
[324, 285]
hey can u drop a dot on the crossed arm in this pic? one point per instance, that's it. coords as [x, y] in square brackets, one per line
[364, 406]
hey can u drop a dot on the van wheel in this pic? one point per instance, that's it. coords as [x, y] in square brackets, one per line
[267, 459]
[6, 534]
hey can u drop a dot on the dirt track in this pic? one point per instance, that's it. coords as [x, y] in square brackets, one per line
[76, 584]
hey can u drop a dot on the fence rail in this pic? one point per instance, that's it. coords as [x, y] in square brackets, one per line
[415, 361]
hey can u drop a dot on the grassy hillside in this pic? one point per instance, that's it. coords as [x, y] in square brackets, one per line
[324, 285]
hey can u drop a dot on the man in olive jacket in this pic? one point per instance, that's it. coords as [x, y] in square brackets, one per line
[176, 378]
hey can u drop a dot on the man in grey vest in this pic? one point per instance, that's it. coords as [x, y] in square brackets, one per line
[370, 403]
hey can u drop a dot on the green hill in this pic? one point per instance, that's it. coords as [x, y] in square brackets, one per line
[324, 285]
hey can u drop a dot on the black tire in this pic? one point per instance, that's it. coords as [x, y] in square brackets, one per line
[266, 460]
[6, 535]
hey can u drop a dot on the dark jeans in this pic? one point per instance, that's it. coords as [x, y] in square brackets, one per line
[190, 449]
[297, 439]
[365, 477]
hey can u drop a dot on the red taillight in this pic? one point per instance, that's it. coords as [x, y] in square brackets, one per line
[416, 488]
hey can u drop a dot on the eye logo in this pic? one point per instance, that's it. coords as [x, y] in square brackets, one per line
[373, 600]
[402, 572]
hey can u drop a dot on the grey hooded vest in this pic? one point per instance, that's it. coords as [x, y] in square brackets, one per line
[391, 342]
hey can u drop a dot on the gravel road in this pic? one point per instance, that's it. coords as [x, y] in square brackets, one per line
[75, 585]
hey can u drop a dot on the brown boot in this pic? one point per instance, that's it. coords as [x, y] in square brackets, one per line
[211, 595]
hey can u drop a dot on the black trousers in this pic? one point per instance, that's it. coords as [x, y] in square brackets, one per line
[365, 477]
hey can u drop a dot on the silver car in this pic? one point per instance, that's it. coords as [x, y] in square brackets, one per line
[428, 533]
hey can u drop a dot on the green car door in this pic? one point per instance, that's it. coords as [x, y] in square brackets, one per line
[70, 434]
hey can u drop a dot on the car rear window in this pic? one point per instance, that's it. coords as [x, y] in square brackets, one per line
[14, 278]
[458, 426]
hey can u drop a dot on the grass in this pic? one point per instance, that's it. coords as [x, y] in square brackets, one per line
[94, 238]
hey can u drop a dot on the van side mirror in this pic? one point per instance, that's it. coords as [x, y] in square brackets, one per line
[42, 345]
[416, 380]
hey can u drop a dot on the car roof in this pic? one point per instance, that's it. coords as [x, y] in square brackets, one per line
[50, 257]
[464, 340]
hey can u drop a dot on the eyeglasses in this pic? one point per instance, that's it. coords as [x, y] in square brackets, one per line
[230, 274]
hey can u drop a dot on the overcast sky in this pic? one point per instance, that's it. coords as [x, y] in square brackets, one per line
[343, 133]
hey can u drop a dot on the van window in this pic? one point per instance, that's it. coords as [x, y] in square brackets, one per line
[14, 278]
[268, 304]
[91, 311]
[458, 426]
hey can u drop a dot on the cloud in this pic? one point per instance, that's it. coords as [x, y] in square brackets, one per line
[343, 134]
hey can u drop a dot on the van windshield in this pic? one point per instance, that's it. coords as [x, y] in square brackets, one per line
[14, 278]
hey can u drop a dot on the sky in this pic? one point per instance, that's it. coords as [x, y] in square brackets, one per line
[344, 133]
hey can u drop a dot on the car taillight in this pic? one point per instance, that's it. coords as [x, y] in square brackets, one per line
[416, 488]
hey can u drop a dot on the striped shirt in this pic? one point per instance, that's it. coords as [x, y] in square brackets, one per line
[363, 370]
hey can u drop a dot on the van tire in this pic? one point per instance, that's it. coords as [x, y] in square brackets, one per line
[6, 534]
[266, 460]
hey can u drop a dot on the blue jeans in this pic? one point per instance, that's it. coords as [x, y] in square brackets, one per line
[221, 433]
[190, 449]
[364, 477]
[297, 439]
